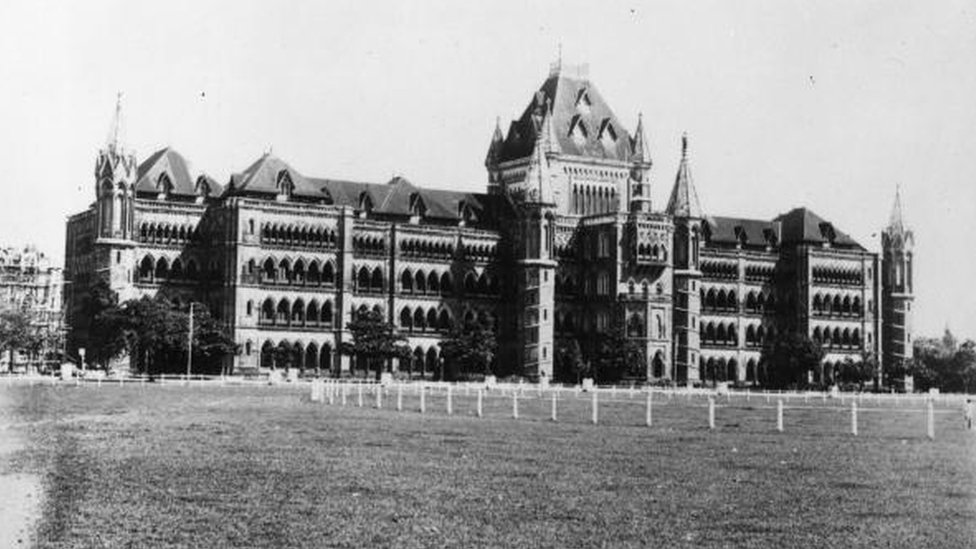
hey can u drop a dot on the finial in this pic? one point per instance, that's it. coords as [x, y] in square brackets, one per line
[116, 128]
[684, 145]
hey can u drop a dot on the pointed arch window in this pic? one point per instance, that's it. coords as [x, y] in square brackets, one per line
[417, 207]
[284, 184]
[365, 204]
[164, 185]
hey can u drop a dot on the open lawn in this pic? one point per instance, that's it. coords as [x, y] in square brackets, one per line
[210, 466]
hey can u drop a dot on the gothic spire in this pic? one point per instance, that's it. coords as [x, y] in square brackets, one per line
[495, 148]
[115, 137]
[639, 152]
[684, 199]
[896, 222]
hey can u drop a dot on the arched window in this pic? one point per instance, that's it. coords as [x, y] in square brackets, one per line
[433, 283]
[312, 314]
[406, 281]
[313, 276]
[362, 280]
[447, 284]
[284, 312]
[432, 318]
[444, 322]
[377, 280]
[250, 307]
[406, 319]
[326, 313]
[146, 269]
[162, 269]
[421, 282]
[419, 321]
[268, 271]
[267, 312]
[328, 273]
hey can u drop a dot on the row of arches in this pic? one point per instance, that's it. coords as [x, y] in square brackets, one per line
[480, 251]
[297, 236]
[716, 369]
[847, 338]
[835, 305]
[721, 300]
[426, 248]
[300, 273]
[165, 233]
[716, 269]
[828, 275]
[426, 283]
[759, 273]
[416, 320]
[151, 270]
[294, 315]
[719, 333]
[588, 199]
[653, 252]
[286, 355]
[369, 244]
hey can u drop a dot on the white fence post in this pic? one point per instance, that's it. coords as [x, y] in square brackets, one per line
[423, 397]
[711, 412]
[930, 420]
[345, 390]
[594, 406]
[553, 415]
[779, 415]
[379, 396]
[450, 407]
[854, 417]
[359, 394]
[480, 395]
[400, 397]
[515, 404]
[647, 419]
[332, 391]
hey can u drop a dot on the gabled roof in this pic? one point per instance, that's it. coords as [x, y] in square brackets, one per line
[165, 161]
[684, 198]
[738, 230]
[572, 101]
[802, 226]
[262, 177]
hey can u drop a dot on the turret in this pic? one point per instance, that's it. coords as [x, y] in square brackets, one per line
[639, 187]
[115, 175]
[686, 210]
[897, 289]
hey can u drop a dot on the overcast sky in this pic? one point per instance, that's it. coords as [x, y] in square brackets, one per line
[824, 104]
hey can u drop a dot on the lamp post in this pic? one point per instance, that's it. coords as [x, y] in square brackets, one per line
[189, 346]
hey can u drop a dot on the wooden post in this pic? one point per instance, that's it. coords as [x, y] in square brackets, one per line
[854, 417]
[359, 397]
[779, 415]
[332, 391]
[594, 407]
[553, 416]
[423, 400]
[711, 412]
[515, 404]
[450, 407]
[647, 418]
[344, 393]
[400, 397]
[480, 396]
[930, 420]
[379, 396]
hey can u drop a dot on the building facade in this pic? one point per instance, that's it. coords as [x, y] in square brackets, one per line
[29, 282]
[564, 244]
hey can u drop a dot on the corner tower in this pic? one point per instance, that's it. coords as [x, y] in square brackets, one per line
[115, 176]
[897, 289]
[686, 210]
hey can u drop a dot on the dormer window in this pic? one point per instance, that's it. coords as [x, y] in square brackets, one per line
[608, 135]
[417, 208]
[365, 204]
[327, 196]
[828, 233]
[578, 130]
[770, 237]
[164, 185]
[741, 236]
[466, 214]
[203, 189]
[284, 184]
[583, 102]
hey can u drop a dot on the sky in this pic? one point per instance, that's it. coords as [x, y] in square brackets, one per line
[827, 104]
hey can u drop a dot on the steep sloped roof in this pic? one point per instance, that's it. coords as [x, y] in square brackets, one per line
[802, 226]
[732, 230]
[165, 161]
[684, 198]
[262, 177]
[572, 101]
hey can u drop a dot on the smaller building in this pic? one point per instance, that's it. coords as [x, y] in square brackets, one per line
[29, 282]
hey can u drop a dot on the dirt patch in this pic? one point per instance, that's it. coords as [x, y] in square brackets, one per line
[20, 494]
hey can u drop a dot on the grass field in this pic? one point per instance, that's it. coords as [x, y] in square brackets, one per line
[210, 466]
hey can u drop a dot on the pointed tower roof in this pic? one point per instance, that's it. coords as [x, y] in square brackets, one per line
[166, 162]
[639, 151]
[684, 199]
[115, 139]
[495, 148]
[896, 222]
[582, 123]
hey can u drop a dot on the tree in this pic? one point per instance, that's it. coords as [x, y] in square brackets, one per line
[859, 371]
[570, 364]
[376, 340]
[15, 331]
[468, 349]
[106, 329]
[789, 357]
[617, 355]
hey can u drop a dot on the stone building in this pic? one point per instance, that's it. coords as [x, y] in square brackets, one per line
[565, 243]
[29, 282]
